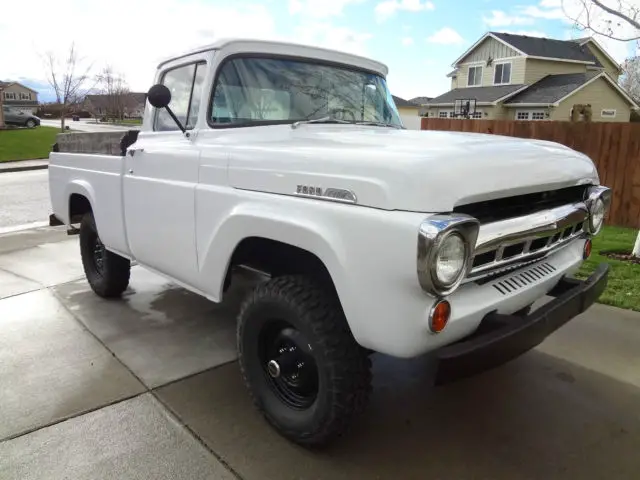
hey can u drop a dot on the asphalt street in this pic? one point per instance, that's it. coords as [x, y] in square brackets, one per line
[24, 199]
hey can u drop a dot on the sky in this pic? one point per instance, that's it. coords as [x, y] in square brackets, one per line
[417, 39]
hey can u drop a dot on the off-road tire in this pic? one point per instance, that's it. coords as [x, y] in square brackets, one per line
[343, 367]
[113, 277]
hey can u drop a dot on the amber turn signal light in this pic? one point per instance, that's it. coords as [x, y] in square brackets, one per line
[439, 317]
[587, 249]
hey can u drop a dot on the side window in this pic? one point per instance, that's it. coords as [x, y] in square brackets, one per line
[185, 84]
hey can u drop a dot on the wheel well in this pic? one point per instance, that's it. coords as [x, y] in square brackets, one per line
[278, 258]
[78, 206]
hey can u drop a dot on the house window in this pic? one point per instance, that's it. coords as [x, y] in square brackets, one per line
[442, 114]
[502, 74]
[476, 115]
[475, 76]
[9, 96]
[530, 115]
[452, 114]
[608, 113]
[25, 96]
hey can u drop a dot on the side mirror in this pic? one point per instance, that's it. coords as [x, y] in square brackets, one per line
[159, 96]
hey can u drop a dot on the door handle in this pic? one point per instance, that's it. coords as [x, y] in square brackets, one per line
[131, 170]
[132, 151]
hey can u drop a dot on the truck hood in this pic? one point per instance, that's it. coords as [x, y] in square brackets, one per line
[420, 171]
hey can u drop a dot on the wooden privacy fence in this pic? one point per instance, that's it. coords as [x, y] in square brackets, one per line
[614, 147]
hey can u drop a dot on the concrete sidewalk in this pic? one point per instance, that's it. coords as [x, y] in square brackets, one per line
[23, 165]
[148, 387]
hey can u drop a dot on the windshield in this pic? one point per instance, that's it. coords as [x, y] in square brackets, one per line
[271, 90]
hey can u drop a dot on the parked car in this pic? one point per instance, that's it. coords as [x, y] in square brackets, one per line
[13, 116]
[293, 161]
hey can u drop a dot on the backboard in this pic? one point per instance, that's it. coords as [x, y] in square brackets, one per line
[464, 107]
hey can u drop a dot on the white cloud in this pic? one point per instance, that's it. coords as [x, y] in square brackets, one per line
[445, 36]
[551, 3]
[547, 13]
[501, 19]
[388, 8]
[406, 41]
[319, 9]
[145, 41]
[328, 36]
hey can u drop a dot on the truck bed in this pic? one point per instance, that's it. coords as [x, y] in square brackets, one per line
[88, 167]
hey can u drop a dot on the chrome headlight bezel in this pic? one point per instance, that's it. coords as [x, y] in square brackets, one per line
[432, 233]
[595, 195]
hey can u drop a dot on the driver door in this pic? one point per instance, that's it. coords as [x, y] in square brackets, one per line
[160, 179]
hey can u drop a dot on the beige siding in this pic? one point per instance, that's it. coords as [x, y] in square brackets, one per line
[18, 89]
[490, 47]
[609, 67]
[517, 72]
[600, 95]
[454, 82]
[537, 69]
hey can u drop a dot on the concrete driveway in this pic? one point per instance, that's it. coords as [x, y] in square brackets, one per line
[148, 387]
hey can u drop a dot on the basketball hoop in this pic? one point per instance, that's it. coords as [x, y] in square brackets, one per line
[464, 107]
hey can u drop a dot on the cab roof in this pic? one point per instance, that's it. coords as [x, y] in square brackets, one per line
[248, 45]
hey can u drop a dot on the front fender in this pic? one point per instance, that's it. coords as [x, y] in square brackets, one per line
[216, 247]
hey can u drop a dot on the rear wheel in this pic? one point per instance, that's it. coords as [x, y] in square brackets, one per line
[30, 123]
[107, 273]
[303, 368]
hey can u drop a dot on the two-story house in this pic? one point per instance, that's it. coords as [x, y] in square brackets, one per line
[516, 77]
[19, 97]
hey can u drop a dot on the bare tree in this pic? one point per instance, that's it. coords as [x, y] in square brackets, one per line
[608, 18]
[630, 79]
[1, 109]
[114, 86]
[67, 78]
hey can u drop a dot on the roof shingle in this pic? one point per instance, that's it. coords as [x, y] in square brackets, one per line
[480, 94]
[552, 88]
[401, 102]
[548, 47]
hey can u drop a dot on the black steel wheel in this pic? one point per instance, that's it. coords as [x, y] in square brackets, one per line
[107, 273]
[303, 368]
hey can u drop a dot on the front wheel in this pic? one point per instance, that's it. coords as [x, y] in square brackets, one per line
[30, 123]
[303, 368]
[107, 273]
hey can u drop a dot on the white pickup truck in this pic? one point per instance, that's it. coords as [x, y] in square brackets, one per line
[292, 161]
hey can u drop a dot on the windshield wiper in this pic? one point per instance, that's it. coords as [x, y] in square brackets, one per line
[319, 120]
[379, 124]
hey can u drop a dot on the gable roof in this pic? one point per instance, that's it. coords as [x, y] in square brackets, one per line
[553, 89]
[4, 85]
[538, 47]
[583, 41]
[480, 94]
[401, 102]
[548, 47]
[421, 100]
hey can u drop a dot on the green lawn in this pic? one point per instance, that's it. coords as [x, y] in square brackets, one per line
[26, 144]
[623, 289]
[131, 121]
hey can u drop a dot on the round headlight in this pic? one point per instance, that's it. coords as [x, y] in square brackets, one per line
[450, 261]
[596, 216]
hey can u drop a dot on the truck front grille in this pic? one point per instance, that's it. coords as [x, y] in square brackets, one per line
[516, 206]
[510, 244]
